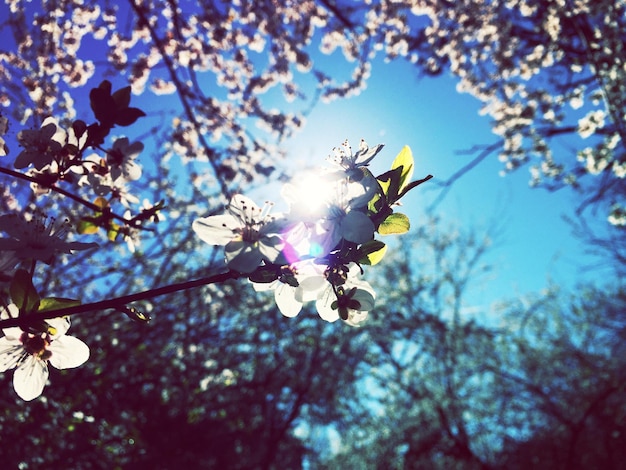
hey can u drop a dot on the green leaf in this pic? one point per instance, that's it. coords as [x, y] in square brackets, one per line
[80, 127]
[372, 252]
[23, 292]
[413, 184]
[375, 204]
[113, 231]
[102, 104]
[370, 247]
[404, 160]
[101, 202]
[56, 303]
[396, 223]
[86, 227]
[71, 149]
[289, 279]
[105, 86]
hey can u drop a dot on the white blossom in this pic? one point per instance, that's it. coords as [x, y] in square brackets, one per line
[249, 234]
[121, 159]
[30, 353]
[36, 238]
[40, 146]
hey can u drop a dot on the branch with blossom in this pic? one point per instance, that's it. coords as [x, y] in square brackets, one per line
[318, 249]
[310, 253]
[315, 251]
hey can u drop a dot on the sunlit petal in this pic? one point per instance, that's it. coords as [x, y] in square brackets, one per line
[324, 305]
[270, 247]
[11, 350]
[30, 378]
[286, 301]
[215, 230]
[59, 326]
[310, 287]
[68, 352]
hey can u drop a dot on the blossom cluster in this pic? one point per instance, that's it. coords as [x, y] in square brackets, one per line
[61, 159]
[31, 351]
[316, 251]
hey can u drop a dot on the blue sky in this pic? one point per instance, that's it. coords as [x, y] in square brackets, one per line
[429, 115]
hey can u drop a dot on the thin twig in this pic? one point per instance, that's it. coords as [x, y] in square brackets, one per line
[447, 184]
[180, 88]
[118, 302]
[63, 192]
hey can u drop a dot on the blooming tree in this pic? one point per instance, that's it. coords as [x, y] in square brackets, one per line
[315, 256]
[541, 70]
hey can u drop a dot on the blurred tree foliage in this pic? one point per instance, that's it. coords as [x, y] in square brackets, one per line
[220, 379]
[541, 387]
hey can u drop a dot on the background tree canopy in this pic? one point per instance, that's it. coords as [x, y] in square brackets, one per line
[219, 379]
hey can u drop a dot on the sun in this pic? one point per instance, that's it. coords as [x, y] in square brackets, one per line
[310, 193]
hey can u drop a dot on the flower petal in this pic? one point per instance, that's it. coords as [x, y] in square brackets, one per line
[357, 227]
[243, 208]
[68, 352]
[216, 229]
[310, 287]
[271, 247]
[11, 311]
[285, 296]
[59, 326]
[356, 318]
[242, 257]
[324, 305]
[30, 378]
[11, 351]
[265, 286]
[365, 299]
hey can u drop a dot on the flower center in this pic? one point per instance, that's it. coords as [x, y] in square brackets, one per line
[250, 234]
[36, 345]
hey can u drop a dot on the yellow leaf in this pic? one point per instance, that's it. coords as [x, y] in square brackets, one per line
[405, 160]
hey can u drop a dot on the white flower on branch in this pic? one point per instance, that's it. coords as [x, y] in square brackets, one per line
[285, 293]
[40, 146]
[30, 353]
[121, 159]
[36, 238]
[352, 162]
[593, 121]
[338, 293]
[248, 232]
[346, 216]
[350, 302]
[324, 210]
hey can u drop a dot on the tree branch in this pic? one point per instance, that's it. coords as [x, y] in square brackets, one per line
[118, 302]
[63, 192]
[447, 184]
[183, 100]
